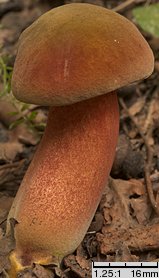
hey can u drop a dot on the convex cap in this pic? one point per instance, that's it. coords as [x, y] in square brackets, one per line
[78, 51]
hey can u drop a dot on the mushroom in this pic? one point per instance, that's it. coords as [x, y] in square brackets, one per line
[72, 58]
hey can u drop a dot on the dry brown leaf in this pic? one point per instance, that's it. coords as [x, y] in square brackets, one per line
[27, 274]
[7, 244]
[37, 271]
[5, 204]
[128, 220]
[4, 36]
[25, 135]
[153, 113]
[9, 150]
[154, 43]
[6, 109]
[70, 262]
[97, 223]
[141, 210]
[123, 254]
[157, 66]
[11, 175]
[42, 272]
[137, 239]
[22, 133]
[84, 264]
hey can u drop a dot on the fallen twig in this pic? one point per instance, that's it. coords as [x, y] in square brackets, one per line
[126, 5]
[11, 165]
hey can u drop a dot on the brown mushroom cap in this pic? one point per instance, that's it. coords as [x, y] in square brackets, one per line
[78, 51]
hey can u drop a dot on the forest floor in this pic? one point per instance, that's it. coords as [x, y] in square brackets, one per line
[126, 224]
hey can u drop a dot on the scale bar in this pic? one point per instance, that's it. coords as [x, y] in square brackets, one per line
[124, 265]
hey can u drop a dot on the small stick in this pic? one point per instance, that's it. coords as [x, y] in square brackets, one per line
[12, 165]
[126, 4]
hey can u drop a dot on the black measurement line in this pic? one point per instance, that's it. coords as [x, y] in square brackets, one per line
[125, 266]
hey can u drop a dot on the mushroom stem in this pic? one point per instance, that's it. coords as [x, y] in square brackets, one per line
[64, 183]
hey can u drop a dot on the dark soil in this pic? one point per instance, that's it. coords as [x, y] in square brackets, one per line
[126, 224]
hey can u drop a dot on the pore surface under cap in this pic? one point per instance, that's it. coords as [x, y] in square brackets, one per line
[78, 51]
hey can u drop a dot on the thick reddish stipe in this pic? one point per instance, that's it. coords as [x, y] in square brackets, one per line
[63, 185]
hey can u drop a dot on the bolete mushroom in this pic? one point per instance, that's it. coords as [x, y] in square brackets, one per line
[72, 58]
